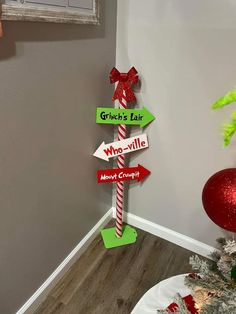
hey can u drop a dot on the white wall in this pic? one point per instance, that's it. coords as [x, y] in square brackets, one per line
[185, 52]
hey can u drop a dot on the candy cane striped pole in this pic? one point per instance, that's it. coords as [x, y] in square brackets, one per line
[120, 164]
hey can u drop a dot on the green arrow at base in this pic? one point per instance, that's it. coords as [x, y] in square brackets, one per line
[124, 116]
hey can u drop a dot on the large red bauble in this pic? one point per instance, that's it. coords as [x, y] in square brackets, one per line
[219, 198]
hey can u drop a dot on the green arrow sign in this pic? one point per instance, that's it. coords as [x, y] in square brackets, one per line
[124, 116]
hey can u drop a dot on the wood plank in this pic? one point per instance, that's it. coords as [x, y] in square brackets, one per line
[112, 281]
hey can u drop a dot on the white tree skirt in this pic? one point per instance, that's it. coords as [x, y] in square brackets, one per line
[161, 295]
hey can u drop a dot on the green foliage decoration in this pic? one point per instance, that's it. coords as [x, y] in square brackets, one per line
[228, 128]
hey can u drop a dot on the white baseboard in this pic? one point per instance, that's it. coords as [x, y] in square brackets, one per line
[167, 234]
[39, 296]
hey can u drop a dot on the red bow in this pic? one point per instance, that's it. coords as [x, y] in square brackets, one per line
[125, 80]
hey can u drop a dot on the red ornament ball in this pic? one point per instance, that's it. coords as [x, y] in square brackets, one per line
[219, 198]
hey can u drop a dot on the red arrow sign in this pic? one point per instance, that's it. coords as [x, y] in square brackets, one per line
[114, 175]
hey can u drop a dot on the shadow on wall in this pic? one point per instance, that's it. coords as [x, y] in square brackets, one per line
[18, 31]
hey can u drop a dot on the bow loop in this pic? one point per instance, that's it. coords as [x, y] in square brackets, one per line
[114, 76]
[125, 80]
[132, 74]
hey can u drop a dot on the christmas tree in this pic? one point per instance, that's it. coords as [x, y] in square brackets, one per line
[213, 282]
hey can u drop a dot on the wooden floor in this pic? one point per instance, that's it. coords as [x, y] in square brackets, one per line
[112, 281]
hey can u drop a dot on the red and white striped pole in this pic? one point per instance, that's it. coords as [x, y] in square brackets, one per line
[120, 164]
[124, 94]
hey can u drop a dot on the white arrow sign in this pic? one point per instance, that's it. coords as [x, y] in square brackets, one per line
[106, 151]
